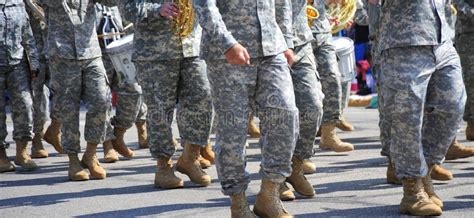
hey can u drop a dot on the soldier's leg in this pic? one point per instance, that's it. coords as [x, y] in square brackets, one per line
[18, 85]
[5, 164]
[159, 81]
[309, 97]
[40, 112]
[464, 46]
[66, 82]
[96, 92]
[331, 85]
[232, 86]
[127, 109]
[53, 132]
[194, 116]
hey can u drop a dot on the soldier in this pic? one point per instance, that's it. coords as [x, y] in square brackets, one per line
[129, 108]
[423, 94]
[18, 65]
[245, 51]
[172, 75]
[39, 90]
[325, 54]
[309, 99]
[464, 40]
[77, 73]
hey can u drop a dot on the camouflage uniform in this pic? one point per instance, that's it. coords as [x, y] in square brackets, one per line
[16, 40]
[129, 107]
[326, 59]
[77, 71]
[39, 90]
[171, 75]
[421, 83]
[464, 45]
[306, 82]
[264, 85]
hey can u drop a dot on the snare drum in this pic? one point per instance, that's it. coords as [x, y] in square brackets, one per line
[120, 52]
[345, 57]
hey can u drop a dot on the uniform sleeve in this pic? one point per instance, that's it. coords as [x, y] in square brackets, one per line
[464, 7]
[361, 16]
[29, 44]
[284, 18]
[211, 22]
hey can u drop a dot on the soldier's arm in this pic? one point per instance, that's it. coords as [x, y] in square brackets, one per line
[465, 7]
[211, 22]
[284, 18]
[29, 44]
[138, 10]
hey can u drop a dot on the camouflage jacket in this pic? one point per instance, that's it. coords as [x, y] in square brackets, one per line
[253, 23]
[72, 28]
[415, 23]
[39, 32]
[16, 36]
[465, 22]
[155, 37]
[361, 16]
[301, 31]
[373, 11]
[321, 25]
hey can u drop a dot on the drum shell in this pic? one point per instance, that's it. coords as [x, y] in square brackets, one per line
[121, 57]
[345, 57]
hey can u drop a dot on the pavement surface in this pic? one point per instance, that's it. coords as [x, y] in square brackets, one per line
[350, 184]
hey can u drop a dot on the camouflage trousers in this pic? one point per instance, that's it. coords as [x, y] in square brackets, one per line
[71, 82]
[265, 87]
[16, 80]
[328, 69]
[424, 97]
[464, 45]
[130, 107]
[180, 83]
[40, 98]
[384, 120]
[308, 98]
[346, 92]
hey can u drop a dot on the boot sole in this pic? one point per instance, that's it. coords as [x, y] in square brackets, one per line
[407, 212]
[180, 185]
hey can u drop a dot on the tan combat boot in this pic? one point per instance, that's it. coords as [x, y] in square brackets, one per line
[119, 144]
[429, 189]
[53, 135]
[89, 160]
[268, 203]
[415, 201]
[204, 163]
[239, 207]
[285, 193]
[37, 149]
[110, 156]
[457, 151]
[253, 129]
[298, 180]
[142, 135]
[76, 172]
[470, 131]
[188, 164]
[5, 164]
[22, 158]
[164, 176]
[344, 125]
[441, 174]
[391, 177]
[308, 166]
[208, 154]
[330, 141]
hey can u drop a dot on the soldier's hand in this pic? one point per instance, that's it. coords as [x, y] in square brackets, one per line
[374, 2]
[169, 10]
[290, 56]
[34, 73]
[237, 55]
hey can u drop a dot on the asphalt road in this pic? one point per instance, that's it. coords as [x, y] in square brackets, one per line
[351, 184]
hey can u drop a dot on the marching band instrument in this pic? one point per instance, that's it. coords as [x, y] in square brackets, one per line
[311, 12]
[183, 25]
[345, 57]
[344, 12]
[120, 53]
